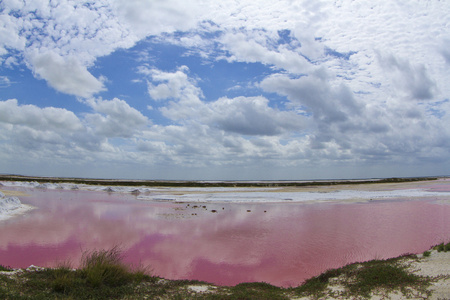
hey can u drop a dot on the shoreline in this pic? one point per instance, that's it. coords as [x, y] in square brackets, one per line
[216, 183]
[430, 269]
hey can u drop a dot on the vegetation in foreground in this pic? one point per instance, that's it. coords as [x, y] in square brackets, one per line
[103, 275]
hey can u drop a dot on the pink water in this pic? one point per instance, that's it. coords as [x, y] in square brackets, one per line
[282, 244]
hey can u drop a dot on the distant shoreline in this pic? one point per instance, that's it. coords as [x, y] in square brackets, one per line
[215, 183]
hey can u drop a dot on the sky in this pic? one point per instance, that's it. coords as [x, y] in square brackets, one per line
[225, 90]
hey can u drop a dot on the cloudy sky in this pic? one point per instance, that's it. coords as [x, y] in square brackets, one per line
[230, 89]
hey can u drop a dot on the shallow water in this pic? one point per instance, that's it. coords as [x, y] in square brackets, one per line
[282, 244]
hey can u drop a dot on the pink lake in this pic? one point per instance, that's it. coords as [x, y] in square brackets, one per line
[282, 244]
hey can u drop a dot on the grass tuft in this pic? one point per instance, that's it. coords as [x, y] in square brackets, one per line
[105, 267]
[5, 268]
[443, 247]
[256, 290]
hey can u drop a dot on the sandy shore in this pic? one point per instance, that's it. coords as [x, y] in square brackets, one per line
[437, 266]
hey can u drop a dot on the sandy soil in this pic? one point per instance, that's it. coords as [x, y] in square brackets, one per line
[437, 264]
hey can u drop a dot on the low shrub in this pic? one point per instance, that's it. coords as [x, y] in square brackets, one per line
[256, 290]
[385, 276]
[65, 281]
[105, 267]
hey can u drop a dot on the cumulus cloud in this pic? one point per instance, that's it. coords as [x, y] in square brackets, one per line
[327, 103]
[242, 115]
[115, 118]
[251, 116]
[32, 133]
[66, 75]
[250, 47]
[174, 85]
[183, 95]
[9, 35]
[48, 118]
[153, 17]
[55, 136]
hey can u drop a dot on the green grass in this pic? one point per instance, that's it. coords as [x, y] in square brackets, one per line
[316, 286]
[256, 290]
[364, 279]
[3, 268]
[379, 275]
[443, 247]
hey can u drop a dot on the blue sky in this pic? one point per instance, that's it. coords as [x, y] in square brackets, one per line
[239, 90]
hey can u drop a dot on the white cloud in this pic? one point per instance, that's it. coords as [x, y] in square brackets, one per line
[30, 133]
[244, 47]
[65, 74]
[58, 42]
[412, 79]
[326, 102]
[49, 136]
[115, 118]
[242, 115]
[49, 118]
[9, 35]
[175, 85]
[182, 93]
[151, 17]
[4, 82]
[250, 116]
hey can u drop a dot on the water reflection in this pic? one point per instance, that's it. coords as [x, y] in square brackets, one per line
[282, 244]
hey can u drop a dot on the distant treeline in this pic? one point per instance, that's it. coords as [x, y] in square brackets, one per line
[181, 183]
